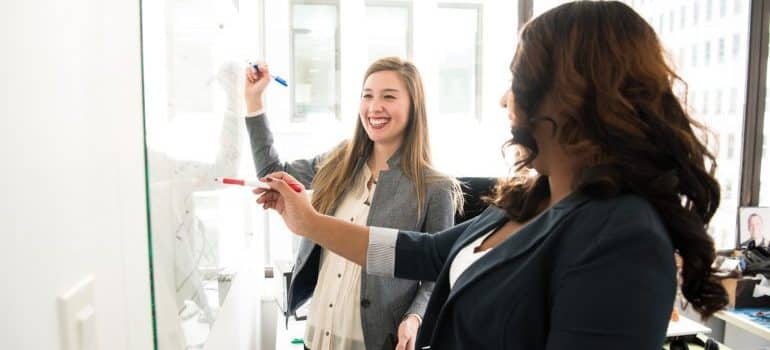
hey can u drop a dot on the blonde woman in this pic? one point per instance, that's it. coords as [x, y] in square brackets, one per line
[382, 176]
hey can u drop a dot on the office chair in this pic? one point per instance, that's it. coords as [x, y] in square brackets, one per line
[474, 189]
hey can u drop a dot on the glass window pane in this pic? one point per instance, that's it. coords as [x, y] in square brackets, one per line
[722, 8]
[726, 123]
[314, 40]
[464, 79]
[391, 42]
[709, 6]
[695, 12]
[721, 50]
[458, 62]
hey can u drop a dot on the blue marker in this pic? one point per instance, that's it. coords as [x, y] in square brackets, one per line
[275, 77]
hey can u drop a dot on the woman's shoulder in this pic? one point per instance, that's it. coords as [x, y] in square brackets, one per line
[626, 214]
[444, 187]
[438, 180]
[625, 207]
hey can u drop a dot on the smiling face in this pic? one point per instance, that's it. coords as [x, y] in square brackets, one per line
[384, 109]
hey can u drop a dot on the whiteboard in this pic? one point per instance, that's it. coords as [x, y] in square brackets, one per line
[201, 231]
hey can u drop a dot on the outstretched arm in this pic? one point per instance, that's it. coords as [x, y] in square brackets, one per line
[381, 251]
[263, 151]
[343, 238]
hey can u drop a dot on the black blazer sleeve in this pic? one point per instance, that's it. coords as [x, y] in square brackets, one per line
[420, 256]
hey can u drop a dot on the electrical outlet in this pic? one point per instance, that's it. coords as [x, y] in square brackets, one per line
[77, 317]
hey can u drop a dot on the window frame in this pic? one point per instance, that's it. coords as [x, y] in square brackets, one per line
[479, 52]
[293, 117]
[409, 6]
[756, 86]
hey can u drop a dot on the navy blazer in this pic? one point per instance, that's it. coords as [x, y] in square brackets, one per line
[585, 274]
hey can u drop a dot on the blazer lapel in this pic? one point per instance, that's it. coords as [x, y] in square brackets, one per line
[489, 219]
[516, 245]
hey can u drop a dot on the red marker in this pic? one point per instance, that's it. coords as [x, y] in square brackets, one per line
[254, 183]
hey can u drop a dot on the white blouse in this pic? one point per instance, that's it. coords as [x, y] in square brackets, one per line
[466, 257]
[334, 316]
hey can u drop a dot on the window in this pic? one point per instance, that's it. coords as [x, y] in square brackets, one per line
[722, 8]
[721, 50]
[314, 39]
[728, 191]
[397, 39]
[463, 78]
[737, 6]
[695, 9]
[682, 17]
[459, 62]
[733, 101]
[694, 55]
[660, 23]
[709, 6]
[726, 121]
[692, 100]
[718, 102]
[671, 20]
[707, 53]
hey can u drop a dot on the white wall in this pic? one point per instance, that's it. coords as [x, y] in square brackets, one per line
[72, 195]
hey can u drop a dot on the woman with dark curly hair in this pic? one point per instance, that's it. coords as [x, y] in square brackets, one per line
[578, 253]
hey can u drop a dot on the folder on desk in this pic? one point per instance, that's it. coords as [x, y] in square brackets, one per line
[685, 326]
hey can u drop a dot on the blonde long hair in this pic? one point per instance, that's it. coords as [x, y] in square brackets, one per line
[334, 173]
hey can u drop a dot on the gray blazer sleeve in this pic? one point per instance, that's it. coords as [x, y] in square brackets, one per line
[439, 215]
[266, 157]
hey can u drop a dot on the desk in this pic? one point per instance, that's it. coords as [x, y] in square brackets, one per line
[740, 318]
[238, 325]
[687, 327]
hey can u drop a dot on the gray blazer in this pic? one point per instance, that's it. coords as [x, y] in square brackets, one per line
[384, 301]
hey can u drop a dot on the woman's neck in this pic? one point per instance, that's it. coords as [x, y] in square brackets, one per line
[561, 182]
[378, 160]
[560, 188]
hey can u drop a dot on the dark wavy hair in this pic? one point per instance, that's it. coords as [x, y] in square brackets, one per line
[604, 68]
